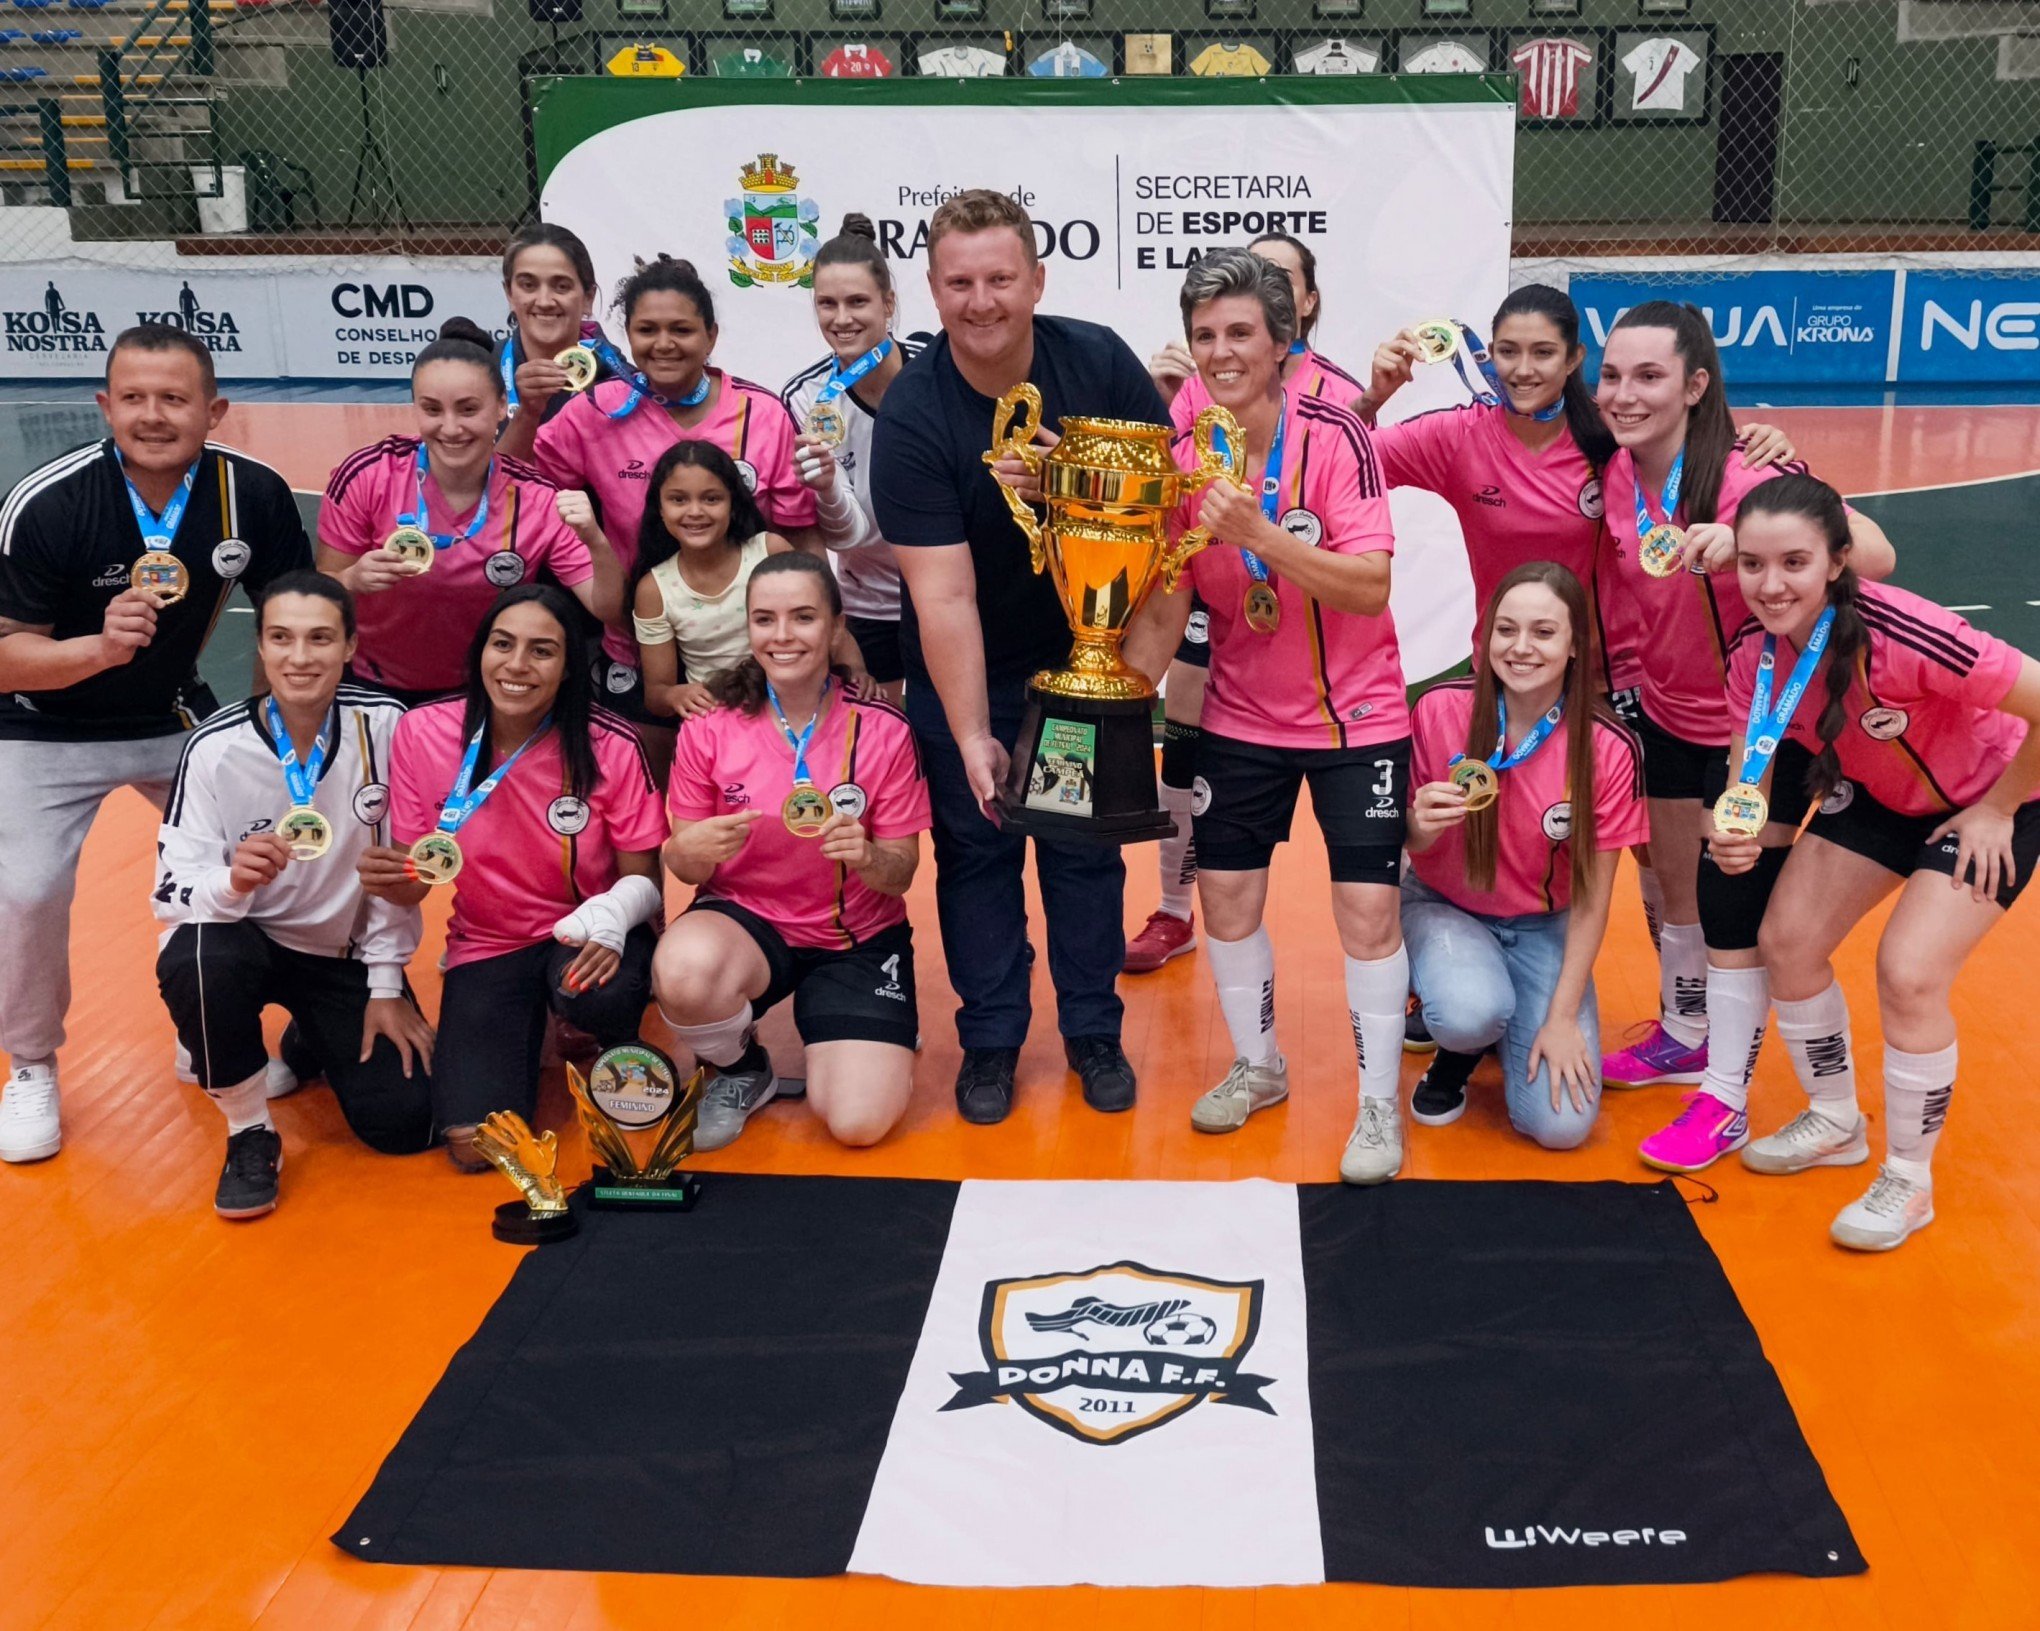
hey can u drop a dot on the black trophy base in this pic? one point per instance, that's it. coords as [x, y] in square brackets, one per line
[515, 1224]
[1084, 768]
[676, 1192]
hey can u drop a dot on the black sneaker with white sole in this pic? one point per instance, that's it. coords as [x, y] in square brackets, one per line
[247, 1187]
[1440, 1095]
[1416, 1035]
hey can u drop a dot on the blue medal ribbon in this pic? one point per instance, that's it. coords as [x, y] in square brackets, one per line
[416, 518]
[605, 353]
[1669, 503]
[1493, 393]
[802, 777]
[506, 363]
[301, 779]
[461, 803]
[1767, 725]
[159, 532]
[1297, 348]
[843, 378]
[1533, 739]
[1271, 484]
[640, 387]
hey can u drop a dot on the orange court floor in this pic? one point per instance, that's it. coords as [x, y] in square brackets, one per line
[190, 1407]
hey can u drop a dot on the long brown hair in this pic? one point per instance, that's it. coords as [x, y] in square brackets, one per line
[1710, 428]
[742, 685]
[1582, 708]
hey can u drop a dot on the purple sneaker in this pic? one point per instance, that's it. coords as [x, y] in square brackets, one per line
[1705, 1131]
[1656, 1056]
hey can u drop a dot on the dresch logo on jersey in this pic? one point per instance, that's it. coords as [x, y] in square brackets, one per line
[1491, 496]
[736, 793]
[53, 326]
[634, 470]
[216, 329]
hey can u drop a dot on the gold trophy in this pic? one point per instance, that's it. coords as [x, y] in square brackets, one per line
[1083, 764]
[529, 1161]
[640, 1123]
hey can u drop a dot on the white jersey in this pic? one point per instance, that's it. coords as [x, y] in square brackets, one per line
[1445, 57]
[1658, 70]
[865, 569]
[230, 784]
[1337, 57]
[962, 62]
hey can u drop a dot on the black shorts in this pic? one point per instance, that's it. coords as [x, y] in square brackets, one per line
[1244, 796]
[1195, 648]
[865, 994]
[879, 640]
[1674, 768]
[1628, 706]
[1851, 819]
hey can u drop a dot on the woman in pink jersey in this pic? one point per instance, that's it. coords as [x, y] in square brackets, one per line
[1676, 479]
[549, 805]
[1167, 932]
[493, 521]
[608, 438]
[797, 810]
[1505, 906]
[549, 281]
[1306, 684]
[1926, 780]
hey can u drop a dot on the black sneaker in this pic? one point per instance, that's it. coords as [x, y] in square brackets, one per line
[1416, 1035]
[248, 1180]
[984, 1084]
[1101, 1062]
[1440, 1096]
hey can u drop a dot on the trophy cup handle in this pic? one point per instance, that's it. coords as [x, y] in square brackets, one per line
[1021, 404]
[1212, 460]
[1179, 554]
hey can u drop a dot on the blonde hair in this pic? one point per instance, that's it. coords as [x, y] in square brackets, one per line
[979, 209]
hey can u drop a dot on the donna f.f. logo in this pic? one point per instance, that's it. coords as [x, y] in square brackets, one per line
[1115, 1351]
[774, 232]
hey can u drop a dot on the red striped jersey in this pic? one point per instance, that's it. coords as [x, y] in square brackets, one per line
[1551, 77]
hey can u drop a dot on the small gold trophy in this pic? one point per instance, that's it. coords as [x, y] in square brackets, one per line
[1083, 764]
[529, 1161]
[640, 1123]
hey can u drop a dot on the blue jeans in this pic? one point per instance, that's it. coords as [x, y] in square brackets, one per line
[981, 899]
[1484, 980]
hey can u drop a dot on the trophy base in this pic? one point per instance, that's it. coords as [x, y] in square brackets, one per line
[515, 1224]
[676, 1192]
[1084, 768]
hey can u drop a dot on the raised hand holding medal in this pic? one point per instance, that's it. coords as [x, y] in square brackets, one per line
[305, 829]
[437, 856]
[1743, 810]
[1481, 780]
[159, 574]
[413, 541]
[1261, 606]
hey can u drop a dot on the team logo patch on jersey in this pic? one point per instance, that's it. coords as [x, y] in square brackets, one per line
[618, 678]
[1884, 724]
[504, 568]
[230, 557]
[1591, 503]
[774, 232]
[1115, 1351]
[1304, 526]
[1557, 821]
[1198, 630]
[749, 472]
[371, 803]
[1840, 797]
[567, 815]
[1200, 795]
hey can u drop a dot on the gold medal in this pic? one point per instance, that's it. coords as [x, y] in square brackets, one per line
[412, 544]
[827, 424]
[806, 812]
[1263, 608]
[437, 858]
[1741, 811]
[308, 833]
[1477, 779]
[1658, 550]
[162, 577]
[1437, 338]
[580, 365]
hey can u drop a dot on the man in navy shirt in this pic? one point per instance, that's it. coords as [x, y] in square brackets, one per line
[977, 621]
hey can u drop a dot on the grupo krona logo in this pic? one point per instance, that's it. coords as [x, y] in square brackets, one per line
[1115, 1351]
[774, 232]
[53, 326]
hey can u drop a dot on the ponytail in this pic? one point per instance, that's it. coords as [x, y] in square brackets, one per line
[1589, 430]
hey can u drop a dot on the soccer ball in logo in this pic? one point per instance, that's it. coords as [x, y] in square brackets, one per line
[1181, 1331]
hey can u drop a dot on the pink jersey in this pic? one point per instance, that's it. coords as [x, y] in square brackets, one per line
[1622, 623]
[1514, 506]
[1323, 679]
[1533, 852]
[1308, 375]
[728, 760]
[1683, 623]
[1924, 735]
[414, 635]
[612, 460]
[533, 851]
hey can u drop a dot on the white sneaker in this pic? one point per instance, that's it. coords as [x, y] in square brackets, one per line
[1246, 1088]
[1892, 1210]
[1374, 1151]
[30, 1129]
[1809, 1139]
[279, 1080]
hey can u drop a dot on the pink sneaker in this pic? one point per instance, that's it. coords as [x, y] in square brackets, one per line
[1706, 1130]
[1165, 936]
[1656, 1056]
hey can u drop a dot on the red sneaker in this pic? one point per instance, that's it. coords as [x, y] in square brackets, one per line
[1164, 937]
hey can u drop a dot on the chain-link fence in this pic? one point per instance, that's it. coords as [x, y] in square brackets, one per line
[1718, 128]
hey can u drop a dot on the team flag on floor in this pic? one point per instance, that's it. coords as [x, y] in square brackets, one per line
[1134, 1384]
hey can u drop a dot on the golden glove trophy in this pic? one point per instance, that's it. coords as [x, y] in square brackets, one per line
[1083, 764]
[640, 1123]
[528, 1160]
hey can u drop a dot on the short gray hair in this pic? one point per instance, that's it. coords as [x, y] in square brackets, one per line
[1227, 272]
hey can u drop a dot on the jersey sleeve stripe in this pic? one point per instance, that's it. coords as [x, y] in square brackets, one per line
[40, 481]
[1942, 646]
[603, 720]
[366, 458]
[1355, 433]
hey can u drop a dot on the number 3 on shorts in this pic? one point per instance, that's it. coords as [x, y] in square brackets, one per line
[1384, 787]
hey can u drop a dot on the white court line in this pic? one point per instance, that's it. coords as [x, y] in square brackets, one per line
[1944, 486]
[1969, 608]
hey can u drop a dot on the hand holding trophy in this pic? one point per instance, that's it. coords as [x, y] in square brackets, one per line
[529, 1161]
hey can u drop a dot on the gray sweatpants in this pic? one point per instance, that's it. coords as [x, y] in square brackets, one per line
[49, 793]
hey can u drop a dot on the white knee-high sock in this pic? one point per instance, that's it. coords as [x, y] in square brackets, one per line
[245, 1104]
[1815, 1032]
[1377, 995]
[720, 1042]
[1738, 1003]
[1653, 894]
[1682, 983]
[1178, 854]
[1917, 1087]
[1245, 972]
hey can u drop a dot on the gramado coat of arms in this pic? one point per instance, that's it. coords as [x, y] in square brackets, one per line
[774, 232]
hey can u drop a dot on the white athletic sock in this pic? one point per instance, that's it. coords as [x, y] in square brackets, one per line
[1377, 995]
[1917, 1087]
[1682, 983]
[720, 1042]
[1245, 972]
[1738, 1003]
[1816, 1034]
[1178, 854]
[245, 1104]
[1653, 894]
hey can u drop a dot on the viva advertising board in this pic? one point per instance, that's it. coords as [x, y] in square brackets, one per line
[1128, 185]
[1773, 328]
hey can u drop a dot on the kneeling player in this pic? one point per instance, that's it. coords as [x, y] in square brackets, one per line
[275, 800]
